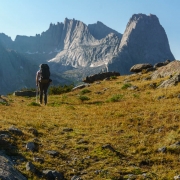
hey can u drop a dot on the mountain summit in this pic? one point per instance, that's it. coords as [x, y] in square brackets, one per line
[144, 40]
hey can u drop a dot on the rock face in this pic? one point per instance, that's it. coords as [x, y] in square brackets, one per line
[171, 69]
[170, 82]
[71, 43]
[144, 41]
[81, 49]
[7, 169]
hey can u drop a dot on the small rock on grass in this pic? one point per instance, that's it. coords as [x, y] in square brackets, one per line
[30, 167]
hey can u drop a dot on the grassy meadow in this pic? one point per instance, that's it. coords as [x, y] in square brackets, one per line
[114, 132]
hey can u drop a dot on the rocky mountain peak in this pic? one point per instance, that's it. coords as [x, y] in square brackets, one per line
[5, 40]
[143, 17]
[144, 41]
[143, 28]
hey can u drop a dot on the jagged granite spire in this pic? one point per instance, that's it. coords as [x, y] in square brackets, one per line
[144, 41]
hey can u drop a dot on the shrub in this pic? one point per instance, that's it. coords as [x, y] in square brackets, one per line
[136, 95]
[55, 104]
[113, 77]
[54, 90]
[4, 103]
[84, 91]
[84, 98]
[34, 104]
[125, 86]
[115, 98]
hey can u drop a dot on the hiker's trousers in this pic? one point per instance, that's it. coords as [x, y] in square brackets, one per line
[43, 87]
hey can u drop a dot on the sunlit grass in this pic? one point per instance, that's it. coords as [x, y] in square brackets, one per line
[134, 122]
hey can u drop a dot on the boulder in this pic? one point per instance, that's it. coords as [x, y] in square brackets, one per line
[52, 153]
[139, 67]
[16, 131]
[160, 64]
[31, 146]
[80, 86]
[30, 167]
[53, 175]
[3, 101]
[171, 69]
[7, 169]
[100, 76]
[25, 93]
[167, 62]
[170, 82]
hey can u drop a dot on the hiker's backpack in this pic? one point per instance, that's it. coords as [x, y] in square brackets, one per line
[45, 73]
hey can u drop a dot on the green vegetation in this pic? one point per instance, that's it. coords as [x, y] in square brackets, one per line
[56, 90]
[136, 95]
[113, 77]
[4, 103]
[115, 98]
[125, 86]
[34, 104]
[113, 133]
[85, 91]
[84, 98]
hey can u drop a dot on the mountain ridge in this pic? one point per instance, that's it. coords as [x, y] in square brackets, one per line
[73, 45]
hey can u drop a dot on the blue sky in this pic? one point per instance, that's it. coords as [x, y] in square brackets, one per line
[31, 17]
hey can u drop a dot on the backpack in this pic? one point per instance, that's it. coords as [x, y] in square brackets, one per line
[45, 73]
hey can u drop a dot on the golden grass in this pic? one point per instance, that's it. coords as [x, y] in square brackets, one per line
[135, 126]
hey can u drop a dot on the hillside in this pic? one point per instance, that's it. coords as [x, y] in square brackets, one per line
[16, 71]
[128, 129]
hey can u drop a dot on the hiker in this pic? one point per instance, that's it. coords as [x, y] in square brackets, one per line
[43, 81]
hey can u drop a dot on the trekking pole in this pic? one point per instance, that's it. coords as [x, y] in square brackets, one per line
[36, 94]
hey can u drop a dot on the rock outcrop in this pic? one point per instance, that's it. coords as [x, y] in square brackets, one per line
[25, 93]
[171, 69]
[139, 67]
[170, 82]
[160, 64]
[144, 41]
[7, 169]
[100, 76]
